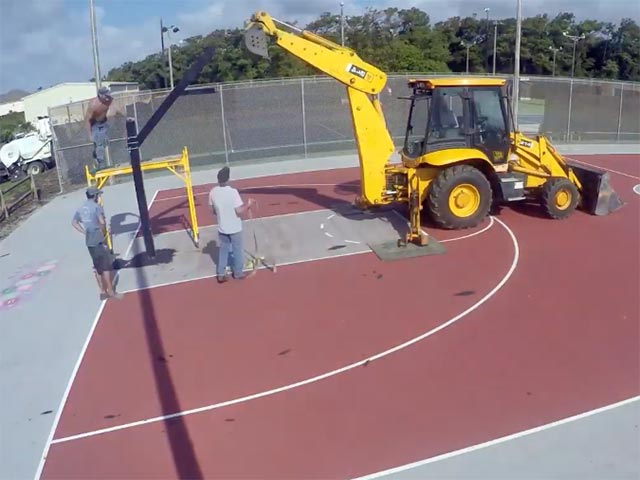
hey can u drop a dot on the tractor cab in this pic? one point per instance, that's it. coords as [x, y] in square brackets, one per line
[453, 113]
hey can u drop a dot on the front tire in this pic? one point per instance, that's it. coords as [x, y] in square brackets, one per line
[459, 197]
[559, 198]
[35, 168]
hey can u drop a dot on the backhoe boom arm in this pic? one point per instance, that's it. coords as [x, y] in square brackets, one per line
[341, 63]
[363, 82]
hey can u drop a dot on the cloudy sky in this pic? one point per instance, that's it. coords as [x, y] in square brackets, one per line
[44, 42]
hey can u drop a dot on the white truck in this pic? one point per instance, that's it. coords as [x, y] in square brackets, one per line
[28, 153]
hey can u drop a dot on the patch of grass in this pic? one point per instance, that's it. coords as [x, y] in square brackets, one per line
[533, 106]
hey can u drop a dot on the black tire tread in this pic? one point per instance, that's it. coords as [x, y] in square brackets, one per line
[548, 192]
[437, 196]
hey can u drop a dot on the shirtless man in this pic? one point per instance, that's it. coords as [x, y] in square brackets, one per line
[96, 124]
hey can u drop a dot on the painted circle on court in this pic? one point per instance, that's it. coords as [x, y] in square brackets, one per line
[636, 189]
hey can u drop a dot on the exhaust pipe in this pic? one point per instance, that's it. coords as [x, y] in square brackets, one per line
[598, 196]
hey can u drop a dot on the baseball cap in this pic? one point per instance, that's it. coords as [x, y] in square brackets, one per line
[104, 92]
[93, 192]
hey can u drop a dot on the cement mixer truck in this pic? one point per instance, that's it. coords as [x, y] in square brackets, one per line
[28, 153]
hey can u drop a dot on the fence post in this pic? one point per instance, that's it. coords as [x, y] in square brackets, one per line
[620, 113]
[224, 126]
[34, 190]
[304, 120]
[55, 150]
[569, 113]
[3, 205]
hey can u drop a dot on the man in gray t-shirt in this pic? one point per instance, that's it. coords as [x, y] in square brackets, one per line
[89, 220]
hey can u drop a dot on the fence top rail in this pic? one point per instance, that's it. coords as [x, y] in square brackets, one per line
[53, 111]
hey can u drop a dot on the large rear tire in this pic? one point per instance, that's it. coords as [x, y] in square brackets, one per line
[559, 198]
[459, 197]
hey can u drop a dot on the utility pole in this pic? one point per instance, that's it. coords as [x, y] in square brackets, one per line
[516, 66]
[94, 41]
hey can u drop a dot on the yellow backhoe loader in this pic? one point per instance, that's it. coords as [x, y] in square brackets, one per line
[461, 153]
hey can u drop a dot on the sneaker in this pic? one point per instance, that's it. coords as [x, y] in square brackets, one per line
[246, 275]
[103, 296]
[117, 296]
[222, 279]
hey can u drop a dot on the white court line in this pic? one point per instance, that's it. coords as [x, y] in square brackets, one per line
[248, 220]
[604, 168]
[242, 189]
[452, 239]
[76, 367]
[467, 236]
[135, 235]
[294, 262]
[503, 281]
[498, 441]
[285, 264]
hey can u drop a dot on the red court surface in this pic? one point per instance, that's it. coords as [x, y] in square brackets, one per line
[526, 323]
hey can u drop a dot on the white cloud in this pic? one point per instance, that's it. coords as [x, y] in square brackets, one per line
[43, 42]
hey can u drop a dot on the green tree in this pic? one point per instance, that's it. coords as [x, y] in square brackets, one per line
[403, 40]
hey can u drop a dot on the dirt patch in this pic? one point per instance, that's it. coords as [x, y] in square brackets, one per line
[48, 188]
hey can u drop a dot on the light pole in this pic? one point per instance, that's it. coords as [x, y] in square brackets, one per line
[342, 23]
[168, 31]
[495, 43]
[575, 40]
[555, 52]
[469, 44]
[94, 41]
[516, 66]
[468, 47]
[486, 62]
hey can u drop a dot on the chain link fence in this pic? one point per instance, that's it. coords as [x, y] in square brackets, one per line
[253, 121]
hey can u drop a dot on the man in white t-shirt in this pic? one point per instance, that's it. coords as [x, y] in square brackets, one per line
[228, 207]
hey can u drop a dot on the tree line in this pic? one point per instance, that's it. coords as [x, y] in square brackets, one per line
[405, 40]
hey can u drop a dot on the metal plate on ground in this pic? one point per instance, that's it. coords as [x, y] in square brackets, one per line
[391, 251]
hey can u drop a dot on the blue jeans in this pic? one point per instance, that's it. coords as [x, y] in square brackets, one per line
[230, 251]
[100, 141]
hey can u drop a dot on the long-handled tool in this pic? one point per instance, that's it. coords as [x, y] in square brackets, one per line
[257, 256]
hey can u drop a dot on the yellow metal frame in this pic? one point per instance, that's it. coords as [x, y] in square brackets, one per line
[431, 83]
[179, 166]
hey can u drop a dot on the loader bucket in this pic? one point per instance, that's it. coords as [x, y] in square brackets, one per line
[598, 197]
[255, 40]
